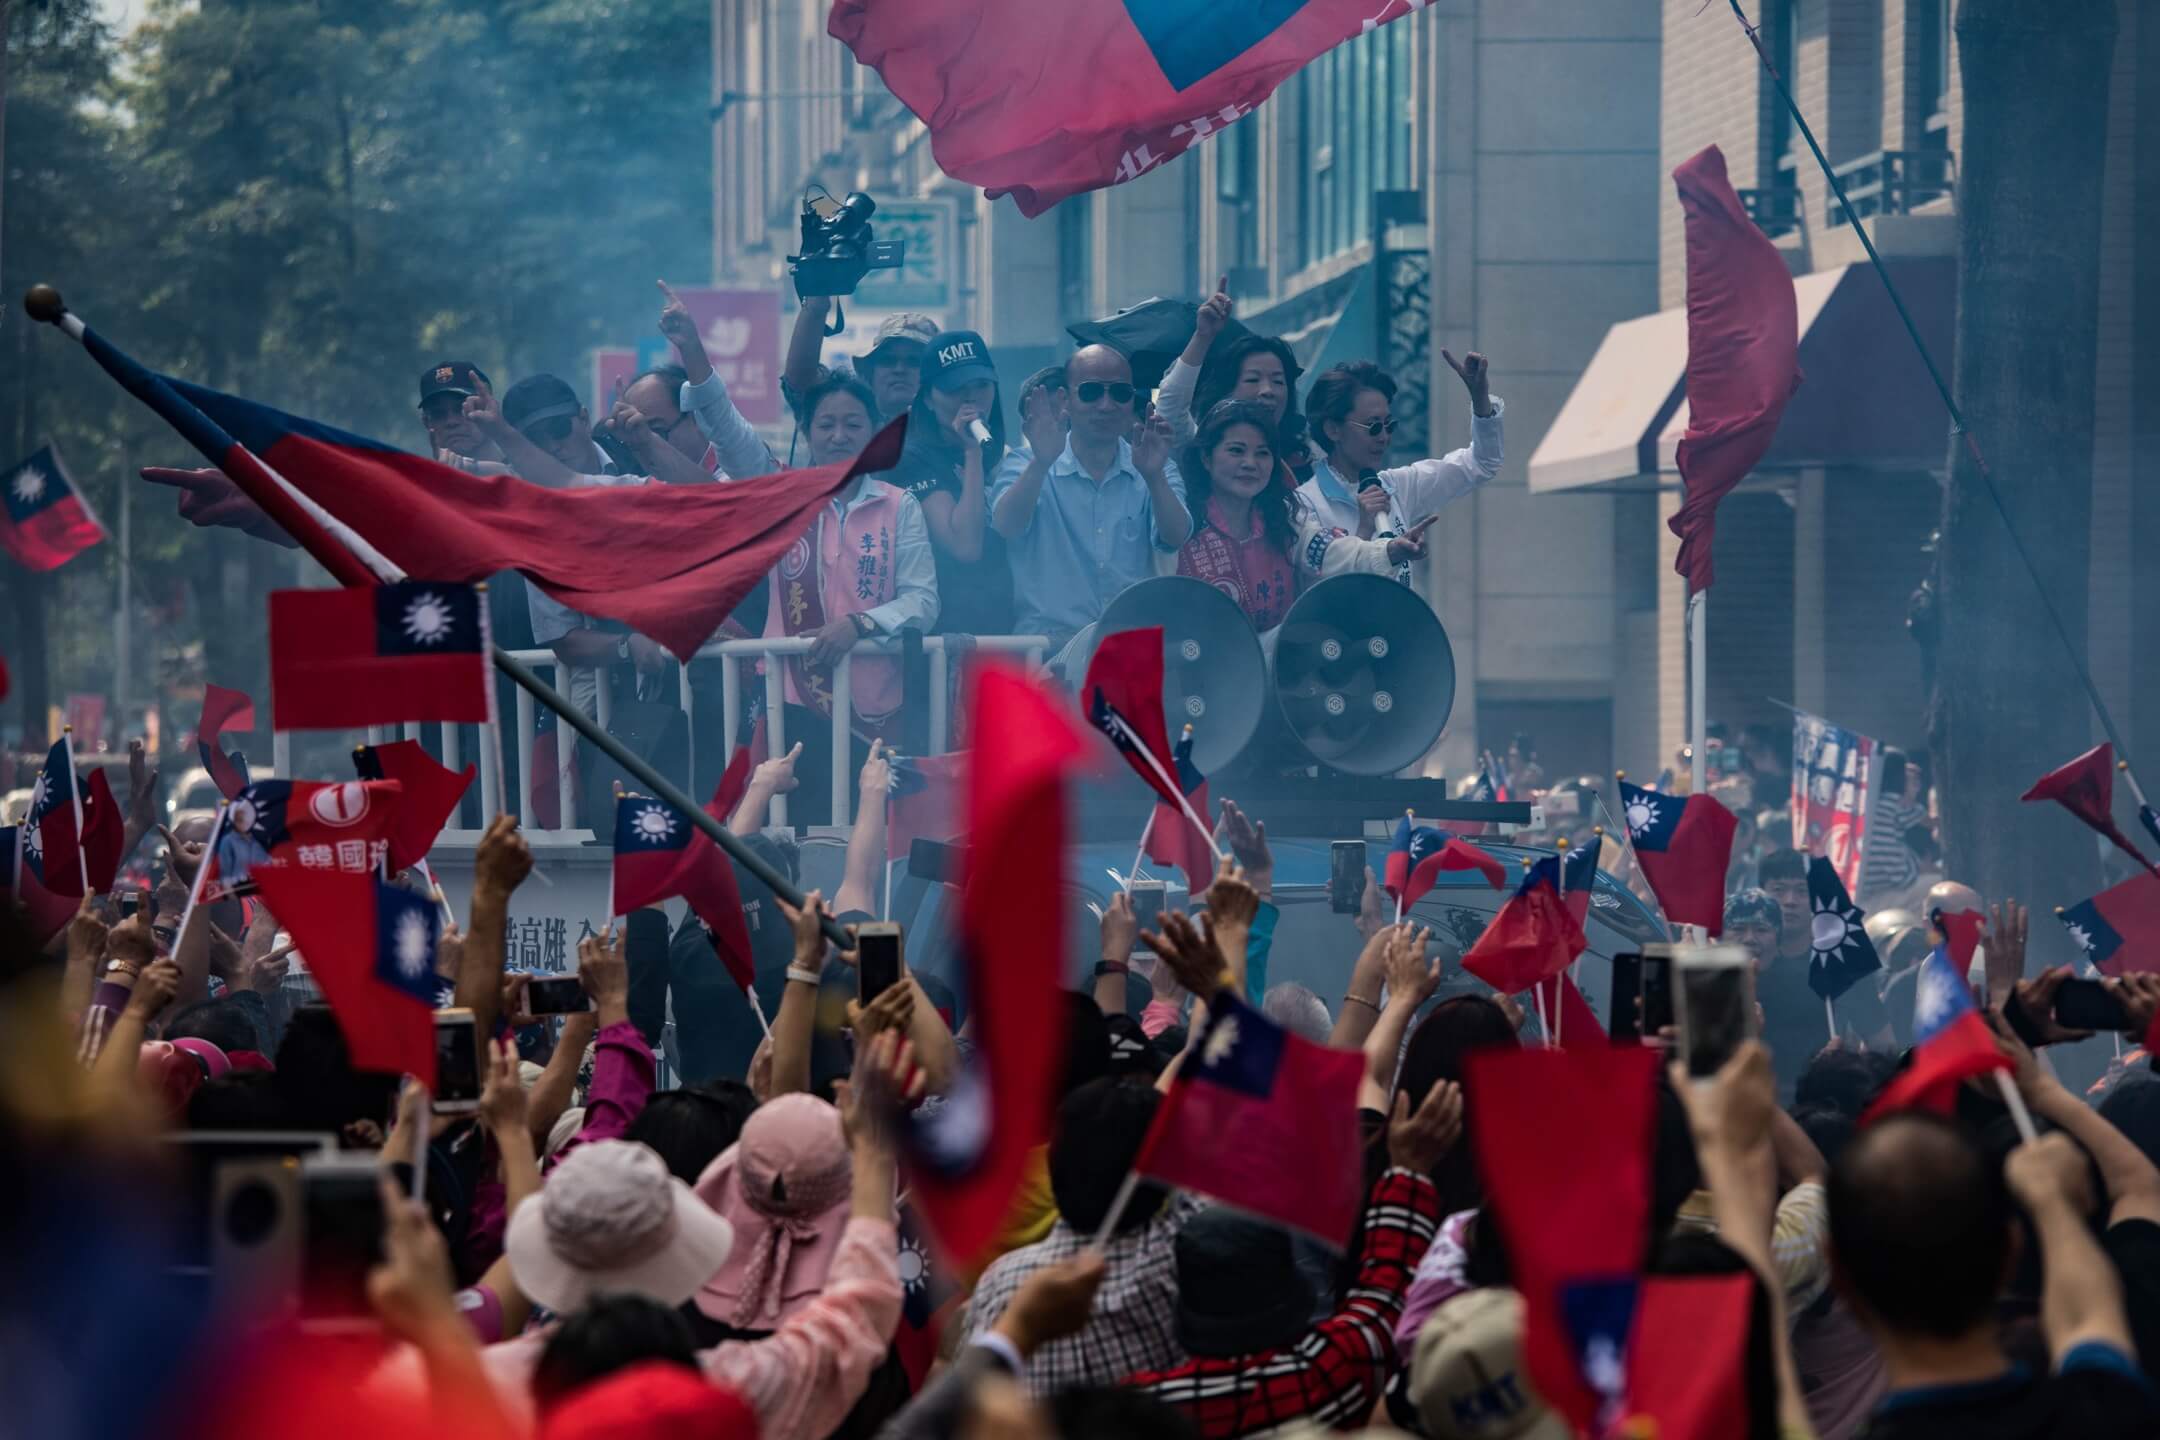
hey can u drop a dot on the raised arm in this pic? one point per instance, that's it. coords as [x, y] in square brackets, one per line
[1151, 457]
[661, 460]
[1411, 981]
[866, 842]
[2132, 1180]
[771, 777]
[527, 460]
[792, 1027]
[805, 343]
[500, 864]
[2081, 1300]
[1012, 510]
[1174, 397]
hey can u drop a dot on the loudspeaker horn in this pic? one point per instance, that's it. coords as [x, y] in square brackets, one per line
[1364, 674]
[1214, 678]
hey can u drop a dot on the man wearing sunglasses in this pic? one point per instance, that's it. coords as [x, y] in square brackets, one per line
[444, 389]
[1084, 513]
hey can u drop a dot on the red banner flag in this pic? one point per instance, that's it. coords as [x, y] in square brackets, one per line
[223, 710]
[431, 794]
[2086, 788]
[1743, 360]
[379, 655]
[371, 947]
[659, 854]
[1538, 932]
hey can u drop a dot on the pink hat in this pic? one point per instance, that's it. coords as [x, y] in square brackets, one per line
[784, 1186]
[611, 1218]
[215, 1062]
[169, 1075]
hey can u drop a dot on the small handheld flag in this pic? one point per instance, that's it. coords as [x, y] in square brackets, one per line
[1418, 853]
[2086, 788]
[1842, 954]
[379, 655]
[1122, 697]
[659, 854]
[1172, 838]
[223, 710]
[1950, 1043]
[44, 520]
[1539, 931]
[430, 798]
[1685, 847]
[2119, 929]
[371, 946]
[328, 826]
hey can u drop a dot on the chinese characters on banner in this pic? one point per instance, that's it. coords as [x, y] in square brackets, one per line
[538, 945]
[1834, 784]
[353, 857]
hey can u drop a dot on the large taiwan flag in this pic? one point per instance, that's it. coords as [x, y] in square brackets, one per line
[1043, 100]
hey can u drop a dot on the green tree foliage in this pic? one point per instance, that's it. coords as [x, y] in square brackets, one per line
[307, 202]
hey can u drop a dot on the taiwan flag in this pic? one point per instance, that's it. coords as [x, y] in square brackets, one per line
[1840, 953]
[45, 913]
[1951, 1043]
[430, 794]
[379, 655]
[1685, 846]
[223, 710]
[1172, 838]
[44, 520]
[1122, 697]
[2119, 929]
[1043, 101]
[1419, 853]
[1259, 1119]
[1539, 931]
[341, 826]
[371, 946]
[659, 855]
[1961, 932]
[73, 829]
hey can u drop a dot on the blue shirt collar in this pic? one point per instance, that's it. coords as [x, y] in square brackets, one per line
[1330, 483]
[1069, 464]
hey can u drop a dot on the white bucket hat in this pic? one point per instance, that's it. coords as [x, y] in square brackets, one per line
[612, 1219]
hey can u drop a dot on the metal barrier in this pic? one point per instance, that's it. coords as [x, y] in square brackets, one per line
[731, 654]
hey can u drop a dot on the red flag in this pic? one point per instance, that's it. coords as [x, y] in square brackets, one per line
[1951, 1043]
[1417, 855]
[1743, 352]
[1687, 1359]
[223, 710]
[659, 854]
[1963, 931]
[104, 832]
[45, 913]
[1172, 838]
[2119, 929]
[670, 561]
[1562, 1140]
[1122, 697]
[1045, 101]
[1685, 846]
[44, 521]
[928, 792]
[1574, 1022]
[1537, 933]
[967, 1164]
[2086, 788]
[371, 946]
[1257, 1118]
[379, 655]
[431, 794]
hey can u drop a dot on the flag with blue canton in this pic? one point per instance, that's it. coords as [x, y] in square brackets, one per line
[2091, 933]
[48, 825]
[2119, 928]
[1951, 1043]
[1684, 844]
[379, 655]
[1841, 953]
[44, 520]
[406, 927]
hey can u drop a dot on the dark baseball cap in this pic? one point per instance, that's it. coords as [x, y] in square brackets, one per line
[538, 397]
[452, 377]
[957, 358]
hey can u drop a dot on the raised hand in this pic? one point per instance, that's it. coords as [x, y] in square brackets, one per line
[1419, 1141]
[1151, 446]
[777, 775]
[154, 988]
[481, 409]
[1120, 928]
[1410, 544]
[503, 859]
[1247, 842]
[1232, 902]
[675, 320]
[1054, 1302]
[1194, 959]
[181, 856]
[1411, 978]
[603, 971]
[1476, 377]
[2008, 925]
[503, 1102]
[1213, 315]
[1042, 422]
[877, 774]
[2036, 997]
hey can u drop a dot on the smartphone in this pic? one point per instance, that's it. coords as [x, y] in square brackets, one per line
[1622, 1021]
[1147, 906]
[1715, 1011]
[936, 861]
[1346, 876]
[1657, 1003]
[556, 995]
[341, 1219]
[2089, 1005]
[457, 1062]
[130, 902]
[877, 959]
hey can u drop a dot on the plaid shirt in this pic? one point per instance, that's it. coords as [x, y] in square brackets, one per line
[1134, 1324]
[1334, 1373]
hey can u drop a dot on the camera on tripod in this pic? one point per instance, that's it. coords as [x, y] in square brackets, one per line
[837, 246]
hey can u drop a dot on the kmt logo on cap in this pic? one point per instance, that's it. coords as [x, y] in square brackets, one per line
[955, 354]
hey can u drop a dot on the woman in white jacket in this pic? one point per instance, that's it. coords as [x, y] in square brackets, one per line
[1251, 537]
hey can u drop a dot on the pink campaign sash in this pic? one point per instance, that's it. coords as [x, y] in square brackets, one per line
[834, 570]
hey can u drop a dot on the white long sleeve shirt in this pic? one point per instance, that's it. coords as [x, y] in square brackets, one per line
[1415, 490]
[742, 453]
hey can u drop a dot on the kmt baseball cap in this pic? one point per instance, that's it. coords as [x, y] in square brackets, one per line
[957, 358]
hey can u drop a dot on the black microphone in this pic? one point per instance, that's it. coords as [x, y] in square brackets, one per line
[1367, 479]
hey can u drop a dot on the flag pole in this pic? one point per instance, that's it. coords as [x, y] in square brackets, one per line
[1168, 783]
[82, 855]
[1560, 846]
[351, 560]
[1698, 689]
[1118, 1205]
[885, 910]
[202, 869]
[1537, 998]
[1411, 816]
[1829, 1010]
[2016, 1102]
[1141, 853]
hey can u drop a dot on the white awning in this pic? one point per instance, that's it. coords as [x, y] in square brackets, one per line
[1623, 398]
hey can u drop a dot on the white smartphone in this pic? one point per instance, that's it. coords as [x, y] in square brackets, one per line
[457, 1062]
[1713, 1005]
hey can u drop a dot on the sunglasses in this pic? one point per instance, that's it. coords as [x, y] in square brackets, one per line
[1091, 392]
[443, 407]
[551, 431]
[1376, 428]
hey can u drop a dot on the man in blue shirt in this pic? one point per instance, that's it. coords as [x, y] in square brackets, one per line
[1083, 513]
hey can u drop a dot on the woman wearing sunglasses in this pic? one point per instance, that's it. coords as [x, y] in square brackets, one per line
[1252, 539]
[1354, 488]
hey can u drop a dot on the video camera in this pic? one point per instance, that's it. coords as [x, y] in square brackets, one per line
[837, 246]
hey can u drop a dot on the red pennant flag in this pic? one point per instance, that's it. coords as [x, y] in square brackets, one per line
[379, 655]
[964, 1173]
[44, 520]
[1743, 360]
[1537, 933]
[223, 710]
[1962, 930]
[2086, 788]
[1574, 1022]
[431, 794]
[1562, 1140]
[371, 946]
[1256, 1118]
[1417, 855]
[104, 832]
[1122, 697]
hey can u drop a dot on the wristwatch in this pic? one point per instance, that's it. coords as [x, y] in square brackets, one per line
[1111, 967]
[622, 648]
[864, 625]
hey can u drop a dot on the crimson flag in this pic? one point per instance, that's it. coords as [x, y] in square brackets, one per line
[342, 826]
[379, 655]
[1562, 1139]
[71, 813]
[1743, 360]
[1045, 101]
[1951, 1043]
[2086, 788]
[45, 913]
[104, 833]
[1685, 846]
[371, 946]
[1687, 1360]
[431, 794]
[659, 854]
[1419, 853]
[1573, 1021]
[44, 520]
[1537, 933]
[1122, 697]
[1962, 931]
[1172, 838]
[967, 1161]
[223, 710]
[669, 561]
[2119, 929]
[1258, 1118]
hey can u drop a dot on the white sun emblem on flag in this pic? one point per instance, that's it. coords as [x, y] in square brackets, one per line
[2081, 937]
[654, 824]
[410, 946]
[1220, 1042]
[914, 1264]
[427, 619]
[33, 841]
[1642, 813]
[29, 484]
[1835, 931]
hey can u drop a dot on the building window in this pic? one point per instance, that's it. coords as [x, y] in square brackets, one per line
[1354, 122]
[1237, 194]
[1780, 39]
[1927, 101]
[1076, 257]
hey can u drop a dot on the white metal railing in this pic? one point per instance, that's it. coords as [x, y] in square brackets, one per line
[731, 654]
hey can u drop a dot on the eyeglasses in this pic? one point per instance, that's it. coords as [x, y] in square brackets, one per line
[1091, 392]
[1376, 428]
[552, 431]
